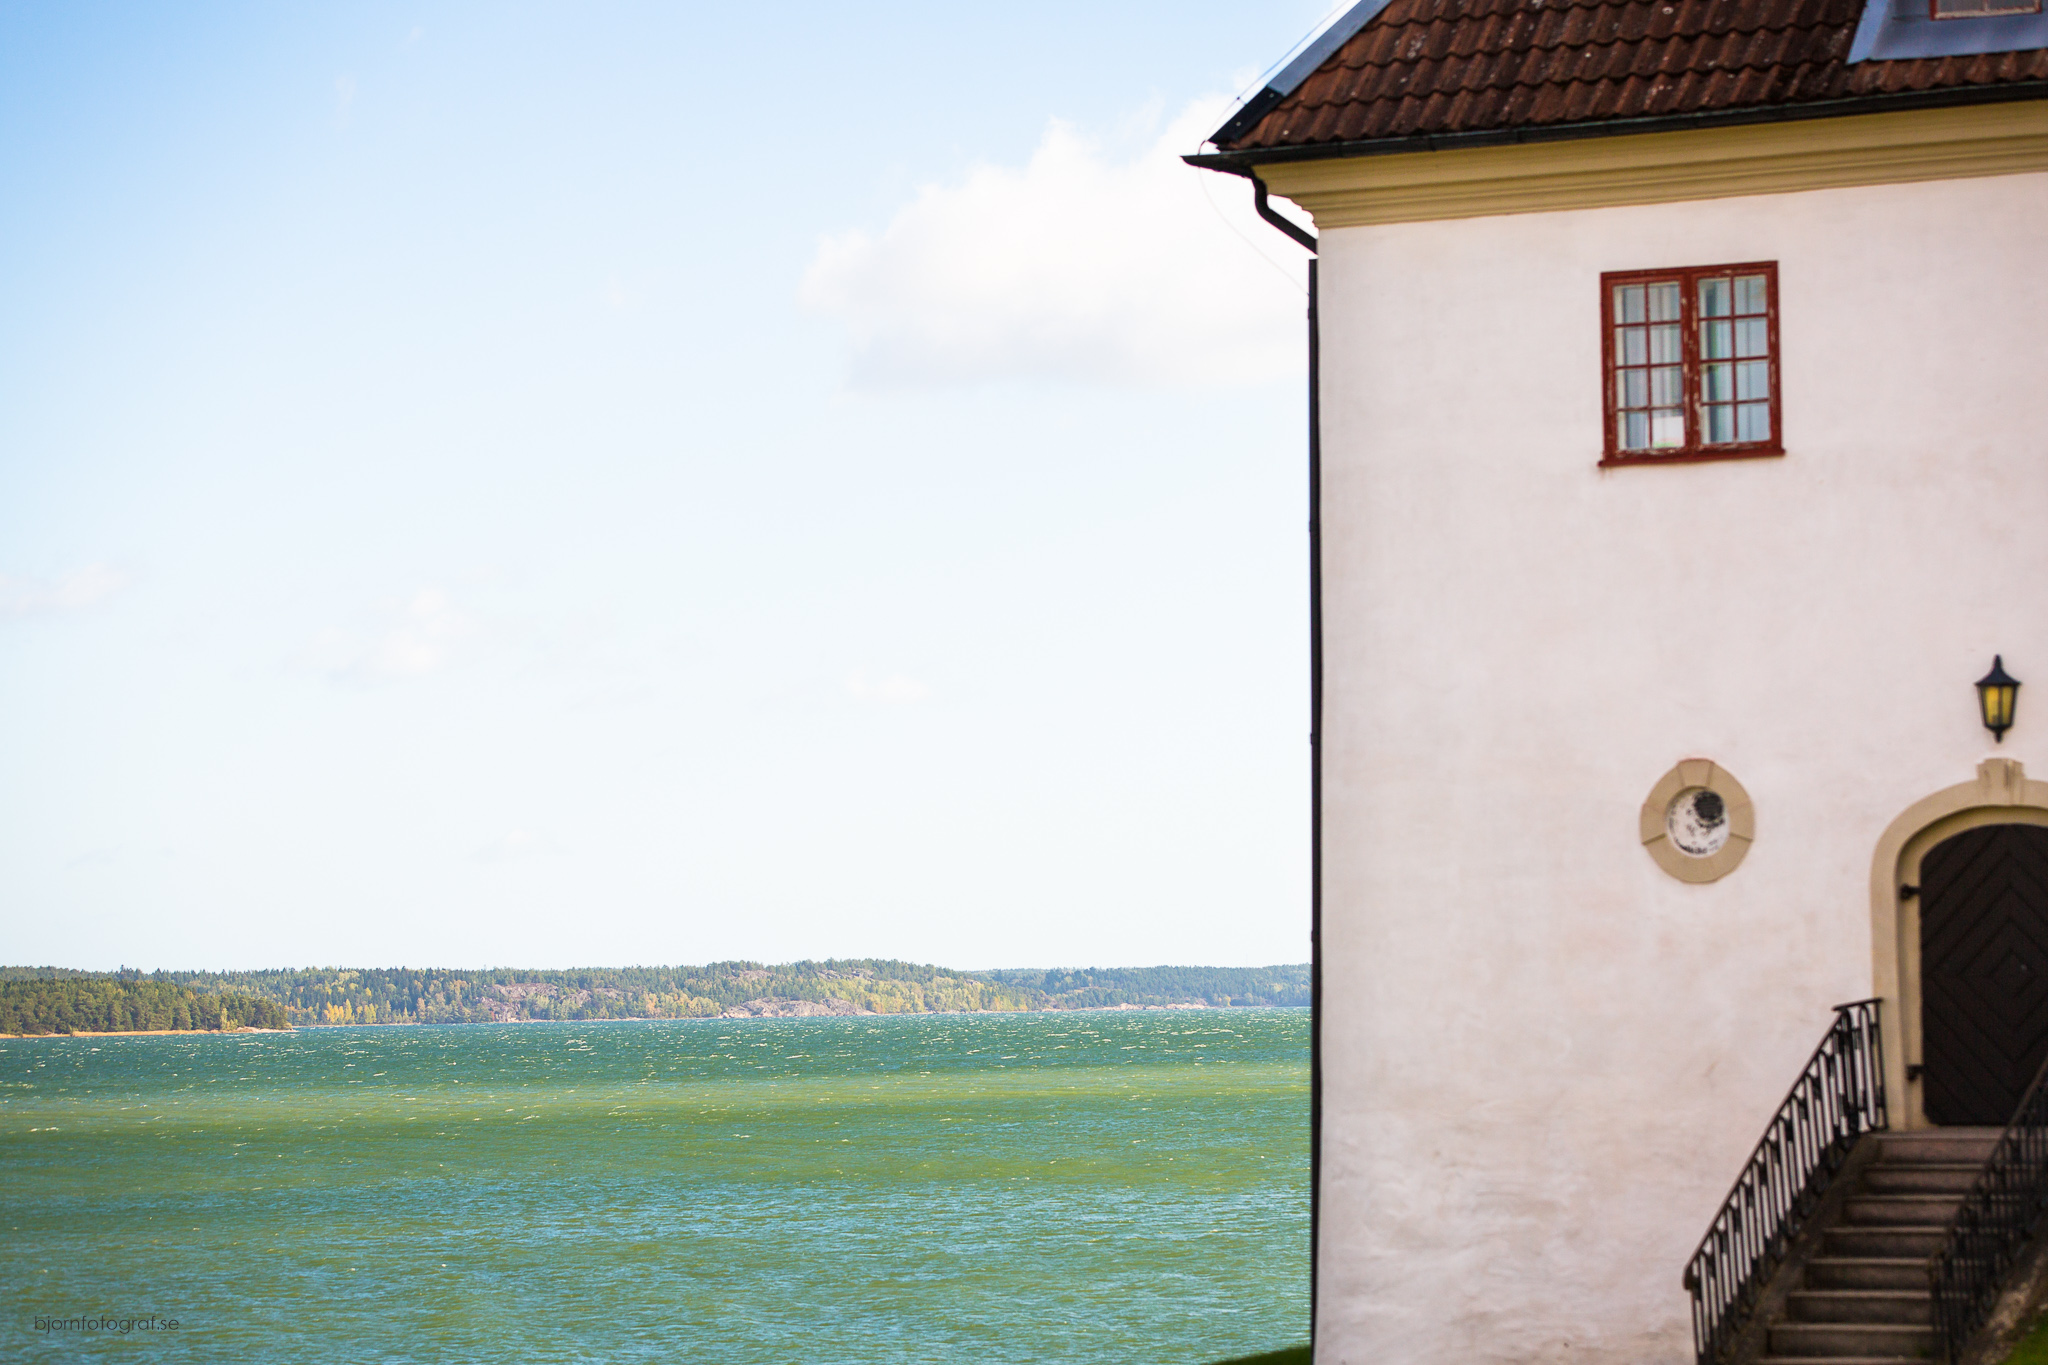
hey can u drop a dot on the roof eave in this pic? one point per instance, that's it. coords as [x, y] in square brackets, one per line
[1243, 160]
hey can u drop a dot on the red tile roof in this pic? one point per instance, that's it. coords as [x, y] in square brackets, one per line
[1433, 67]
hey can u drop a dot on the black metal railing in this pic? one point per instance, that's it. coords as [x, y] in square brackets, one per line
[1837, 1098]
[1999, 1216]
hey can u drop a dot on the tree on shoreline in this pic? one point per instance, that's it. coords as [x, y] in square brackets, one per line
[337, 995]
[112, 1005]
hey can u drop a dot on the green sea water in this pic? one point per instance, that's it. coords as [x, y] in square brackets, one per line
[1065, 1187]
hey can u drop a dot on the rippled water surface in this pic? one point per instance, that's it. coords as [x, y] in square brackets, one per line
[1046, 1187]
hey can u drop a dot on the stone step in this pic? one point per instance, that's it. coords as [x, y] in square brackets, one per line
[1900, 1210]
[1861, 1305]
[1863, 1297]
[1905, 1243]
[1971, 1145]
[1867, 1272]
[1832, 1340]
[1933, 1177]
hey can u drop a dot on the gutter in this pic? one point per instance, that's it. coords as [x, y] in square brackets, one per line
[1241, 161]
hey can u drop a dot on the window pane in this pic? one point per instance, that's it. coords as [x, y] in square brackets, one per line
[1720, 424]
[1666, 389]
[1674, 392]
[1635, 430]
[1716, 383]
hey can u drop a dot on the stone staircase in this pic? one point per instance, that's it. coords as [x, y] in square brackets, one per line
[1860, 1297]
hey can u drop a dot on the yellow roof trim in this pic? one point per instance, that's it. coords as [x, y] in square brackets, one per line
[1662, 168]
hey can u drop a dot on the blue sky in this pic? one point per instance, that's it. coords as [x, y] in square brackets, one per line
[605, 484]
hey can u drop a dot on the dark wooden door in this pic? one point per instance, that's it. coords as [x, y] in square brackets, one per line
[1983, 971]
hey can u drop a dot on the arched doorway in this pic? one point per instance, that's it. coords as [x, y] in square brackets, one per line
[1968, 952]
[1983, 971]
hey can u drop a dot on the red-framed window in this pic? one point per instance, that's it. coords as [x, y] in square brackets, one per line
[1971, 9]
[1691, 363]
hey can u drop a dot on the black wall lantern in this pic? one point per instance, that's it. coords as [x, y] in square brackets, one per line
[1998, 695]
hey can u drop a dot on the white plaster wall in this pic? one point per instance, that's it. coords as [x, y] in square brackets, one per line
[1545, 1058]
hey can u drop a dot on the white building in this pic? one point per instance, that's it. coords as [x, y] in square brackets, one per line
[1682, 367]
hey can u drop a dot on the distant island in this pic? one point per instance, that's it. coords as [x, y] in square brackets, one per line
[42, 1000]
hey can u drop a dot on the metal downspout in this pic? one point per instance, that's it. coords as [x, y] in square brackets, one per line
[1301, 235]
[1304, 238]
[1315, 761]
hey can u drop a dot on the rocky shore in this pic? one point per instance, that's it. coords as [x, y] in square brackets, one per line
[784, 1007]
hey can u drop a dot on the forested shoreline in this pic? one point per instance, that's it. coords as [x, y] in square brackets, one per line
[405, 995]
[87, 1004]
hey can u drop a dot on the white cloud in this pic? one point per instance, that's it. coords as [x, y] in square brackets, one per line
[897, 689]
[24, 596]
[1076, 265]
[420, 638]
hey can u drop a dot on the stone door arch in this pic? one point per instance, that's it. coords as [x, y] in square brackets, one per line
[2001, 795]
